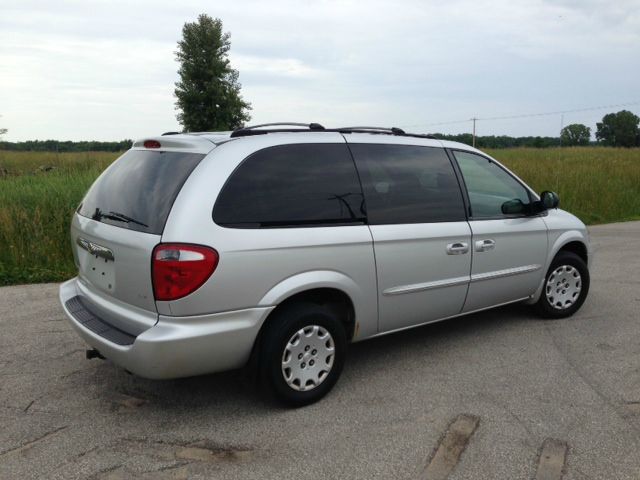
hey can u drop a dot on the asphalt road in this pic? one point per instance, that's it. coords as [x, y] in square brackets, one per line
[513, 382]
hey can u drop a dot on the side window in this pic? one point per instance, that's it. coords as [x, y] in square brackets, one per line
[408, 184]
[488, 185]
[292, 185]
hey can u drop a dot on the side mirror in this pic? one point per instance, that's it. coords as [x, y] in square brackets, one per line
[549, 199]
[513, 207]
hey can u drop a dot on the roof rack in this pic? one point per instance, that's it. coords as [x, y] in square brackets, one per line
[392, 130]
[381, 130]
[316, 127]
[254, 129]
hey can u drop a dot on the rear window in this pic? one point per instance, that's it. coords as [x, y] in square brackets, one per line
[138, 190]
[300, 185]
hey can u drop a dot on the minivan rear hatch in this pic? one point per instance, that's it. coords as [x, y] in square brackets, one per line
[118, 224]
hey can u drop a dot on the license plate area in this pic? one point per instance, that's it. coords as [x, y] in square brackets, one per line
[97, 270]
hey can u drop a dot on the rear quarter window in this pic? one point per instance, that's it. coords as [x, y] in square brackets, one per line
[296, 185]
[138, 190]
[408, 184]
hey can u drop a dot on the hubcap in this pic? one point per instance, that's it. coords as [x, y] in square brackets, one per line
[308, 357]
[563, 287]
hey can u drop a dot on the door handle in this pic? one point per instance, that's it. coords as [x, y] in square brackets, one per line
[484, 245]
[457, 248]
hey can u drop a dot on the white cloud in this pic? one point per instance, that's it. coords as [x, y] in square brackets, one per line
[105, 69]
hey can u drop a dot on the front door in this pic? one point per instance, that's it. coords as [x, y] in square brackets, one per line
[421, 239]
[508, 249]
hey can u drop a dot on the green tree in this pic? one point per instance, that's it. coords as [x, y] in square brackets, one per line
[575, 134]
[208, 92]
[619, 129]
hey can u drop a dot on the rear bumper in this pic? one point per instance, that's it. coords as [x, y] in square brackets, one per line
[175, 346]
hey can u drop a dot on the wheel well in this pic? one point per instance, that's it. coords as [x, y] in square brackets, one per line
[335, 299]
[578, 248]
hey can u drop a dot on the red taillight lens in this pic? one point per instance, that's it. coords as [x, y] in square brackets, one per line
[178, 269]
[151, 144]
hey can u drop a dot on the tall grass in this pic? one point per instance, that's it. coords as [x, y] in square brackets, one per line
[38, 193]
[597, 184]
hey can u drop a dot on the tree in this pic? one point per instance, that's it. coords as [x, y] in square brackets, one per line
[575, 134]
[208, 92]
[619, 129]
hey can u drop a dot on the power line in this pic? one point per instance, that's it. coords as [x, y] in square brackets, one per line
[524, 115]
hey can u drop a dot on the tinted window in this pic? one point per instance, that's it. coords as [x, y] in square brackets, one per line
[408, 184]
[489, 185]
[138, 190]
[292, 185]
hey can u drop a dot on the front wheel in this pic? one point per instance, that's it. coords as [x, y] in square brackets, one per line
[566, 286]
[302, 353]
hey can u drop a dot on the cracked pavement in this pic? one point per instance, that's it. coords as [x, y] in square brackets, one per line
[527, 380]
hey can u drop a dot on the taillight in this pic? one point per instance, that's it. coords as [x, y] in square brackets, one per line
[151, 144]
[180, 269]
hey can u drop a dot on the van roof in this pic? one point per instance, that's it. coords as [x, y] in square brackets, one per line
[202, 141]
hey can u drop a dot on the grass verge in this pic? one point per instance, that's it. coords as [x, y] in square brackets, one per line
[40, 190]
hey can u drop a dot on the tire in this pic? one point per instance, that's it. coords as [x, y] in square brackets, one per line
[313, 361]
[561, 300]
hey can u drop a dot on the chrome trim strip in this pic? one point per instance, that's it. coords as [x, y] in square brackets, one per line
[452, 282]
[478, 277]
[95, 249]
[419, 287]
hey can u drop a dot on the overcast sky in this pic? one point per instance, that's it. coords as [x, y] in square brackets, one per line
[105, 70]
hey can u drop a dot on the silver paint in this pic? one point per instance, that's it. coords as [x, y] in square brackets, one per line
[396, 276]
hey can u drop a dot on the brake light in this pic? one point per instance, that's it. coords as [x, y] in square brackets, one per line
[151, 144]
[180, 269]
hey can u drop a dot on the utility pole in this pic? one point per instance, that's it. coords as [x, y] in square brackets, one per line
[474, 131]
[561, 126]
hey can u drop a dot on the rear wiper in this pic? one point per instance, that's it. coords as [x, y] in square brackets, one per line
[119, 217]
[123, 218]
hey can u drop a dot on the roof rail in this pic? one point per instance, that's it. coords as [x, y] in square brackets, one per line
[170, 133]
[254, 129]
[316, 127]
[392, 130]
[381, 130]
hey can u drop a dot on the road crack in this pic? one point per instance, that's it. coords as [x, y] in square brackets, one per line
[31, 443]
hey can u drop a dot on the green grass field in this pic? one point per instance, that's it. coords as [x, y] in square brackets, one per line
[597, 184]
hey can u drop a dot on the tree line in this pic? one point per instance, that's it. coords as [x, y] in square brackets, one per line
[615, 130]
[66, 146]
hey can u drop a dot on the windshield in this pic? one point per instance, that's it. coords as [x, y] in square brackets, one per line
[138, 190]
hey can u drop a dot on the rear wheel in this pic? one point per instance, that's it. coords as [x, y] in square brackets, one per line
[302, 353]
[566, 286]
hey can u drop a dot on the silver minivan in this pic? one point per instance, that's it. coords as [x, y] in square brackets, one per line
[276, 246]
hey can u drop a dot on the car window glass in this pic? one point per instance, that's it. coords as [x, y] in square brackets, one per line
[138, 190]
[408, 184]
[489, 186]
[292, 185]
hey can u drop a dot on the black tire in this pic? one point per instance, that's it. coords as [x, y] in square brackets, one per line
[544, 307]
[288, 321]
